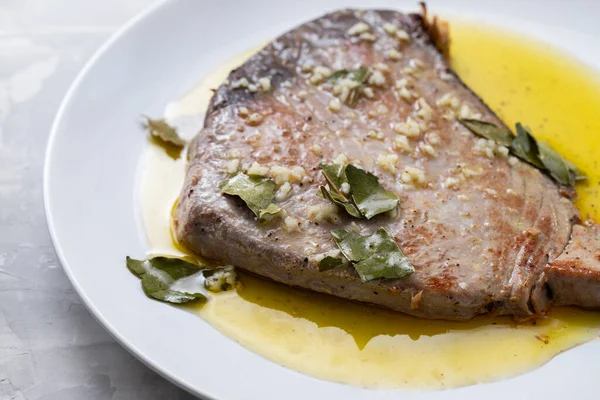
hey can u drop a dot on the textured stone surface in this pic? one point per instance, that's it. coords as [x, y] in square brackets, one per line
[50, 346]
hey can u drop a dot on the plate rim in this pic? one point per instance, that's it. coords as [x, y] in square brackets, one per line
[91, 308]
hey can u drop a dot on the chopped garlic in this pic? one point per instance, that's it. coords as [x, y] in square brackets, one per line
[405, 94]
[451, 183]
[306, 68]
[358, 28]
[424, 111]
[298, 174]
[382, 109]
[401, 144]
[283, 192]
[345, 188]
[232, 166]
[257, 169]
[343, 88]
[427, 149]
[401, 83]
[291, 224]
[323, 213]
[281, 175]
[302, 94]
[319, 74]
[393, 55]
[410, 128]
[388, 162]
[240, 83]
[466, 113]
[368, 36]
[402, 35]
[265, 83]
[484, 147]
[381, 67]
[254, 119]
[334, 105]
[341, 159]
[317, 149]
[243, 112]
[448, 100]
[368, 92]
[377, 79]
[502, 151]
[373, 134]
[468, 173]
[221, 279]
[413, 175]
[433, 138]
[389, 28]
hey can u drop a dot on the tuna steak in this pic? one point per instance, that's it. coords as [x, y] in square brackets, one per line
[486, 233]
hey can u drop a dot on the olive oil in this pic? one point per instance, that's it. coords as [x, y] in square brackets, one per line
[357, 344]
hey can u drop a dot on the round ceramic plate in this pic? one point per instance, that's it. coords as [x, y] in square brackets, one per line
[91, 181]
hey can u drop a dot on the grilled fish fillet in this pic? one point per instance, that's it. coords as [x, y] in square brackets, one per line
[485, 232]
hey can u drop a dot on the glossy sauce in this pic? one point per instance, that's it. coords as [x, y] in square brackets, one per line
[361, 345]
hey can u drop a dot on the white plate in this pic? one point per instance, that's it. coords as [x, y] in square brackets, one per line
[91, 175]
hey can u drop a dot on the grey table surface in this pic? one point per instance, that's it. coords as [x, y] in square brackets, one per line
[50, 346]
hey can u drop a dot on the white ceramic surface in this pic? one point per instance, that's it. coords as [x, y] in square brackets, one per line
[93, 162]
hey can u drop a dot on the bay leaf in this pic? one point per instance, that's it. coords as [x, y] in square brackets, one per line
[374, 256]
[257, 192]
[158, 274]
[365, 197]
[488, 131]
[555, 164]
[161, 130]
[524, 146]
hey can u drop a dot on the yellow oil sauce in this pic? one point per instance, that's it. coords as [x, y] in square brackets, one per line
[526, 81]
[341, 341]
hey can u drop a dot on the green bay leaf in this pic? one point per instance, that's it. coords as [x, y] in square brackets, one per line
[364, 197]
[158, 274]
[575, 172]
[257, 192]
[555, 164]
[488, 131]
[525, 147]
[160, 129]
[368, 195]
[330, 262]
[374, 256]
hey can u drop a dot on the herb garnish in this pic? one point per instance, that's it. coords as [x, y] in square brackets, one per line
[257, 192]
[158, 274]
[374, 256]
[358, 191]
[159, 129]
[329, 262]
[488, 131]
[359, 75]
[524, 146]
